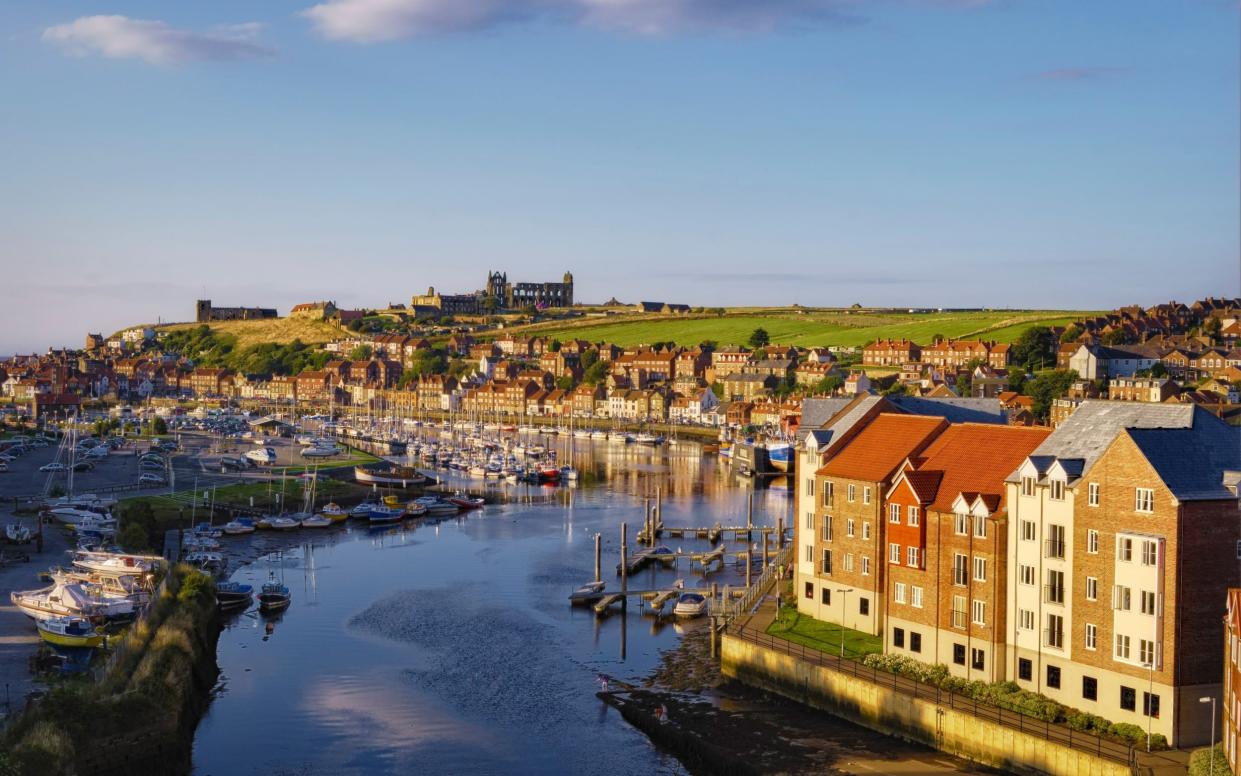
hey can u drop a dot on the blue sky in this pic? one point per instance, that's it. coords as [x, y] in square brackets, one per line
[1026, 153]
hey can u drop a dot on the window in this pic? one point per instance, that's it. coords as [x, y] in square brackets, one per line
[1150, 705]
[849, 561]
[915, 642]
[863, 606]
[1092, 494]
[898, 637]
[810, 521]
[1128, 699]
[894, 554]
[810, 487]
[827, 562]
[961, 523]
[866, 530]
[915, 597]
[1025, 669]
[959, 569]
[852, 493]
[829, 493]
[1055, 587]
[1027, 575]
[1122, 647]
[958, 654]
[1148, 602]
[1025, 619]
[1092, 636]
[980, 527]
[1055, 541]
[1027, 530]
[865, 565]
[866, 495]
[1146, 652]
[849, 528]
[1144, 500]
[825, 596]
[808, 553]
[980, 569]
[1057, 490]
[977, 659]
[958, 611]
[913, 515]
[1150, 553]
[898, 592]
[828, 525]
[1092, 542]
[980, 612]
[1054, 637]
[1053, 676]
[894, 513]
[1092, 589]
[1124, 548]
[810, 590]
[1090, 688]
[1121, 598]
[1027, 486]
[912, 559]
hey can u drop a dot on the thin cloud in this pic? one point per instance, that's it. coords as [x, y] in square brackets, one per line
[155, 42]
[1079, 73]
[368, 21]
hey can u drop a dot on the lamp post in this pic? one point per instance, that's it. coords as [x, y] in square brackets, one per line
[1150, 692]
[1211, 700]
[844, 608]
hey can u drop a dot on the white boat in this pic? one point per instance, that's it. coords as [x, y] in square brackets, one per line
[17, 533]
[68, 600]
[316, 521]
[282, 523]
[212, 562]
[113, 565]
[74, 515]
[239, 527]
[690, 605]
[437, 506]
[320, 452]
[262, 455]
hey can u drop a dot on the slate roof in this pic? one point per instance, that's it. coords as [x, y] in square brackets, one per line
[954, 410]
[816, 412]
[1192, 461]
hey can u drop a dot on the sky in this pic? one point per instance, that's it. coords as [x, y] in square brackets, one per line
[1000, 153]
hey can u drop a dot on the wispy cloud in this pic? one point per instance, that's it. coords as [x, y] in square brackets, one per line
[367, 21]
[155, 42]
[1079, 73]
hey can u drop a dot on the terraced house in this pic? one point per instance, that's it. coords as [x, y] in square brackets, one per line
[1124, 537]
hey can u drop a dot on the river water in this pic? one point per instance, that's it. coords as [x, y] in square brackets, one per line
[450, 647]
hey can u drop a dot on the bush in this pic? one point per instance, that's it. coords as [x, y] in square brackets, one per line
[1128, 732]
[1200, 761]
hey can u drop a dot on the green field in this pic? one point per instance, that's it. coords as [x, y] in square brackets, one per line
[809, 328]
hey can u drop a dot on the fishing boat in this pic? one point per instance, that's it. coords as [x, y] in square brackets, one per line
[395, 477]
[333, 512]
[239, 526]
[233, 595]
[780, 454]
[690, 605]
[69, 632]
[316, 521]
[382, 513]
[274, 597]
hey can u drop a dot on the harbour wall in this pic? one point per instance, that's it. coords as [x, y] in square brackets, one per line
[889, 711]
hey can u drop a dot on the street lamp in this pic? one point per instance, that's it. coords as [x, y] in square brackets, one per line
[844, 609]
[1211, 700]
[1149, 695]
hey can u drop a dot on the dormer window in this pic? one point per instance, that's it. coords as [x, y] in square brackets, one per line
[1057, 490]
[1027, 486]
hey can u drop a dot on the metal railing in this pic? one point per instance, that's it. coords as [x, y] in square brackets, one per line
[1053, 594]
[730, 610]
[1053, 548]
[1048, 731]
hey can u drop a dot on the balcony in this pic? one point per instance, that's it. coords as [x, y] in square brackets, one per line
[1053, 637]
[1053, 548]
[1053, 594]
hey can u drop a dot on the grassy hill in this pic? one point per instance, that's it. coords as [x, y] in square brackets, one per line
[808, 328]
[278, 331]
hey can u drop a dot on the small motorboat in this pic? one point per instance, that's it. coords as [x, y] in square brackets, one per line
[239, 526]
[414, 509]
[466, 502]
[438, 506]
[274, 597]
[382, 513]
[362, 511]
[233, 595]
[391, 500]
[211, 562]
[17, 533]
[587, 593]
[282, 523]
[333, 512]
[69, 632]
[690, 605]
[316, 521]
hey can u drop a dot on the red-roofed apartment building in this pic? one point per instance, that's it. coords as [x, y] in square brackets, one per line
[848, 582]
[947, 549]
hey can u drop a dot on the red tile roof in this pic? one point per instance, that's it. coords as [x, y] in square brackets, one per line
[976, 457]
[879, 449]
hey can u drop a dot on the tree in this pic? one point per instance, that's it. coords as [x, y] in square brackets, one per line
[1071, 334]
[717, 388]
[759, 338]
[1158, 369]
[1048, 386]
[1035, 347]
[897, 388]
[1212, 326]
[565, 383]
[554, 346]
[1115, 337]
[827, 386]
[361, 353]
[159, 426]
[589, 358]
[428, 361]
[133, 538]
[596, 373]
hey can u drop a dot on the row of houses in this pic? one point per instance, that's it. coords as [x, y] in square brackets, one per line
[1088, 563]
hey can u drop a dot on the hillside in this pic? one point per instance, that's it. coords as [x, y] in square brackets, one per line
[275, 331]
[808, 328]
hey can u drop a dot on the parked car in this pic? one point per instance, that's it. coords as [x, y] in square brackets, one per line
[4, 467]
[83, 466]
[150, 478]
[151, 466]
[54, 466]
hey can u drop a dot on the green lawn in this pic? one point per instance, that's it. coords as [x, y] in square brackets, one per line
[811, 328]
[823, 636]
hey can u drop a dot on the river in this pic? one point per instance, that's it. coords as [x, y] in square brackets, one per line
[450, 647]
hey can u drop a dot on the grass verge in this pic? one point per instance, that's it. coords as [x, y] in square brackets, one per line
[801, 629]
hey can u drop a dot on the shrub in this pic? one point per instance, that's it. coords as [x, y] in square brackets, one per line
[1127, 732]
[1200, 761]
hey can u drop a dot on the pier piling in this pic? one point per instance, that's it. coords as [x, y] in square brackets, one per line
[598, 557]
[763, 563]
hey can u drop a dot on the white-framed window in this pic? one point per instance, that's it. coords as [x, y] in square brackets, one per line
[912, 512]
[808, 555]
[865, 565]
[1150, 553]
[810, 521]
[915, 596]
[810, 487]
[912, 559]
[849, 528]
[1056, 492]
[1092, 636]
[1027, 574]
[980, 612]
[1092, 494]
[826, 568]
[1124, 548]
[958, 611]
[980, 569]
[894, 553]
[1027, 486]
[961, 524]
[894, 513]
[849, 561]
[1146, 651]
[1144, 500]
[828, 525]
[1092, 588]
[1025, 619]
[1028, 531]
[866, 530]
[1122, 647]
[852, 493]
[980, 528]
[1122, 598]
[1092, 542]
[866, 495]
[829, 493]
[1148, 601]
[898, 592]
[960, 566]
